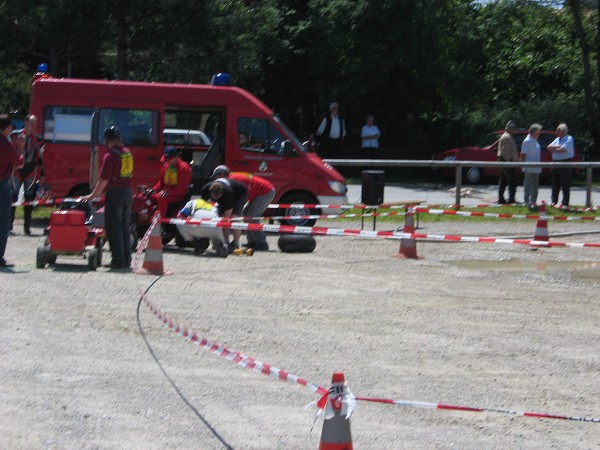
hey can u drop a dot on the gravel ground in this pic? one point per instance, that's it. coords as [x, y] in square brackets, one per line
[468, 324]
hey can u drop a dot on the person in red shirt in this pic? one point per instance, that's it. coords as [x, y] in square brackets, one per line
[10, 159]
[260, 194]
[29, 145]
[174, 181]
[115, 179]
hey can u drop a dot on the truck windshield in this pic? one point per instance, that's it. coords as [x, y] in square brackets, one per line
[295, 141]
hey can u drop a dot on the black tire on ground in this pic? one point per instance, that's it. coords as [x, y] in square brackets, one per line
[133, 237]
[99, 244]
[93, 259]
[40, 260]
[296, 243]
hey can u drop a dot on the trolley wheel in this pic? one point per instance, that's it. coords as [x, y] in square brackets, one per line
[93, 259]
[51, 258]
[41, 254]
[99, 245]
[296, 243]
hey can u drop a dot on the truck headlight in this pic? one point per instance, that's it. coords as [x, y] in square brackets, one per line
[338, 187]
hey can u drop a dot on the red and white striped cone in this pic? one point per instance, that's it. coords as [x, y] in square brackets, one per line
[336, 433]
[408, 246]
[541, 228]
[153, 258]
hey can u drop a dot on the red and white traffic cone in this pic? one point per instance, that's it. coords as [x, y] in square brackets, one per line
[336, 433]
[408, 246]
[541, 228]
[153, 258]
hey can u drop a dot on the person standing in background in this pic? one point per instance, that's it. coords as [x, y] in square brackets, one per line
[563, 150]
[507, 152]
[369, 135]
[10, 159]
[29, 145]
[531, 152]
[331, 133]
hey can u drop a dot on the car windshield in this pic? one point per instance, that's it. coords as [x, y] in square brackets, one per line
[290, 134]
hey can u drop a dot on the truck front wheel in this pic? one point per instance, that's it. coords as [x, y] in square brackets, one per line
[300, 199]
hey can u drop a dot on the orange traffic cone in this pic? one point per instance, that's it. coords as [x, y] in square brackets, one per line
[336, 426]
[408, 246]
[541, 228]
[153, 259]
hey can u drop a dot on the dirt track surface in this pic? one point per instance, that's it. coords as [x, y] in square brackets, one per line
[76, 373]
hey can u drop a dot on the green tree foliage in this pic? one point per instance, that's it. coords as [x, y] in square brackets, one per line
[436, 73]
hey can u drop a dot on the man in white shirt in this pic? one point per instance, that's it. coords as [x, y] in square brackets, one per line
[531, 152]
[370, 135]
[331, 133]
[563, 150]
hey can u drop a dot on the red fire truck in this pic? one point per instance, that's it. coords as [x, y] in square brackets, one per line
[73, 113]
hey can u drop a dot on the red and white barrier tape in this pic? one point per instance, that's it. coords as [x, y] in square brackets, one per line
[231, 355]
[215, 348]
[322, 231]
[322, 216]
[311, 205]
[319, 206]
[266, 369]
[453, 212]
[47, 202]
[475, 409]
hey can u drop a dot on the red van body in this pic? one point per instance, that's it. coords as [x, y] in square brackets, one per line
[72, 113]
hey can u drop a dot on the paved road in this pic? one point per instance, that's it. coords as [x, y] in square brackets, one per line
[443, 193]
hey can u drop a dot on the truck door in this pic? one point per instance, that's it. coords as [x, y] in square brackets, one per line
[260, 151]
[140, 128]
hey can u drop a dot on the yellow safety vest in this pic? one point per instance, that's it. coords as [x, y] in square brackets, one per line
[171, 176]
[126, 165]
[202, 204]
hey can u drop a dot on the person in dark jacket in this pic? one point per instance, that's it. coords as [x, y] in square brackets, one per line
[10, 159]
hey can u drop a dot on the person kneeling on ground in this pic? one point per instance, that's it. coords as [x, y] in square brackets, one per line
[201, 210]
[260, 194]
[230, 196]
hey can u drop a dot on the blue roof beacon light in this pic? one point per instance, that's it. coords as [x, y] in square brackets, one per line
[221, 79]
[42, 67]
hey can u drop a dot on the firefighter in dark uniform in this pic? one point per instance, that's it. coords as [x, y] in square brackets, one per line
[115, 180]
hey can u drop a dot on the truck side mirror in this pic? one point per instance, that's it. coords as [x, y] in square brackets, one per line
[287, 149]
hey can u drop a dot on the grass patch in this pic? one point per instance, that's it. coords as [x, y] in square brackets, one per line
[38, 213]
[430, 218]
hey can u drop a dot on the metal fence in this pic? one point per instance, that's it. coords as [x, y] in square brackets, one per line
[460, 165]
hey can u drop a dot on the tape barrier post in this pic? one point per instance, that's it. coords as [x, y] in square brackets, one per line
[541, 227]
[408, 246]
[340, 401]
[153, 259]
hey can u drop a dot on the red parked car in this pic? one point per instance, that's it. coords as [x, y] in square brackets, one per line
[474, 175]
